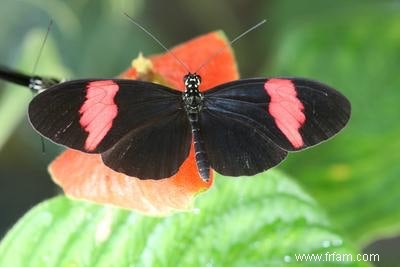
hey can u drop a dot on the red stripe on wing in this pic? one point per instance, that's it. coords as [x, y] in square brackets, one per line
[98, 111]
[286, 109]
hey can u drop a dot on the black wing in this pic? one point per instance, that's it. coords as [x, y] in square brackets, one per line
[235, 148]
[257, 120]
[155, 150]
[95, 116]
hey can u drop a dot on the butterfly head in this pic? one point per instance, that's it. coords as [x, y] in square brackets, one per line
[192, 81]
[39, 84]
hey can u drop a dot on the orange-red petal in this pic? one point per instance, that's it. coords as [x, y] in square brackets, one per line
[84, 176]
[194, 53]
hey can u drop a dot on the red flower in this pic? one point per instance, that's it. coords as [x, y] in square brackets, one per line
[84, 176]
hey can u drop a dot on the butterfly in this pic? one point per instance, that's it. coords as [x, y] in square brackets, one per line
[146, 130]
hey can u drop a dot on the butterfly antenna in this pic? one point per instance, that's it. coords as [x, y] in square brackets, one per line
[230, 44]
[42, 47]
[33, 82]
[36, 83]
[158, 41]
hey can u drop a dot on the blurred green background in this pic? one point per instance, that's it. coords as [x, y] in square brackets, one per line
[352, 45]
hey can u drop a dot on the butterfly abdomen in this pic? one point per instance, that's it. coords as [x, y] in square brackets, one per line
[203, 164]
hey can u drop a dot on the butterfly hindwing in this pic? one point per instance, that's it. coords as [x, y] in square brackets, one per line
[235, 148]
[294, 113]
[92, 115]
[152, 151]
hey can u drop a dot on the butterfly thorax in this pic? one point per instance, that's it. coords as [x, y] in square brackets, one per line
[192, 97]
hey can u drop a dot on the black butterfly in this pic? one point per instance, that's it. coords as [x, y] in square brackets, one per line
[146, 130]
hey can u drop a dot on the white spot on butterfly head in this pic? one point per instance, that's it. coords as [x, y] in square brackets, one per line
[192, 80]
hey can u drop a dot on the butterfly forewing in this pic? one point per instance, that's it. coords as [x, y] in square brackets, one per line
[92, 115]
[294, 113]
[326, 111]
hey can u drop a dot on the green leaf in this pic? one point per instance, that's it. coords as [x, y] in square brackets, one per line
[14, 99]
[259, 221]
[355, 176]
